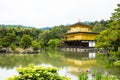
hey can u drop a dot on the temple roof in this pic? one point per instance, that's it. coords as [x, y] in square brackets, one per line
[80, 32]
[78, 23]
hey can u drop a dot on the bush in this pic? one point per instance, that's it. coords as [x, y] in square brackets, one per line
[32, 72]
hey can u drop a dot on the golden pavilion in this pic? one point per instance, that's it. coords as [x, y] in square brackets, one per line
[79, 35]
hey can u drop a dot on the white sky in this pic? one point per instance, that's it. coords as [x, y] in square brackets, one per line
[42, 13]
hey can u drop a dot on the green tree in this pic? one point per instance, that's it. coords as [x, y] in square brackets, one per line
[35, 33]
[43, 38]
[9, 38]
[99, 26]
[26, 41]
[54, 42]
[35, 45]
[57, 31]
[102, 40]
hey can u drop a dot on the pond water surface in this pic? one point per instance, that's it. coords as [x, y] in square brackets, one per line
[68, 62]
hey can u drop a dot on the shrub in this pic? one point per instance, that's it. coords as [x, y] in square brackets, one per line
[32, 72]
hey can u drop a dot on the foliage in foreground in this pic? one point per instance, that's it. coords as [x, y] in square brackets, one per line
[93, 74]
[32, 72]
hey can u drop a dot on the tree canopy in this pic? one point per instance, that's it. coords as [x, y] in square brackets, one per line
[13, 36]
[110, 38]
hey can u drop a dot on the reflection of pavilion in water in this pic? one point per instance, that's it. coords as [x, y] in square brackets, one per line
[80, 55]
[77, 65]
[80, 61]
[92, 55]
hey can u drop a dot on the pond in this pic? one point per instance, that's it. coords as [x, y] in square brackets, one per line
[68, 62]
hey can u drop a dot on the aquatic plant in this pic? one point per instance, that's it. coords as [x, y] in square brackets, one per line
[93, 74]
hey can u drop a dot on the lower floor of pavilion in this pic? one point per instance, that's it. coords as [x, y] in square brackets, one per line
[79, 43]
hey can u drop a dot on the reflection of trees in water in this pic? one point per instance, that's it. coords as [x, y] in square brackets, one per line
[11, 61]
[55, 58]
[52, 57]
[16, 60]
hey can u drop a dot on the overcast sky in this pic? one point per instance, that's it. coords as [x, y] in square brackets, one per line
[42, 13]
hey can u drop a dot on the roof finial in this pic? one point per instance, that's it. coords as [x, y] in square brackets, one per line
[79, 20]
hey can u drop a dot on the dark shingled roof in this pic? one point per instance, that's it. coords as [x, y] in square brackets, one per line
[78, 23]
[80, 32]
